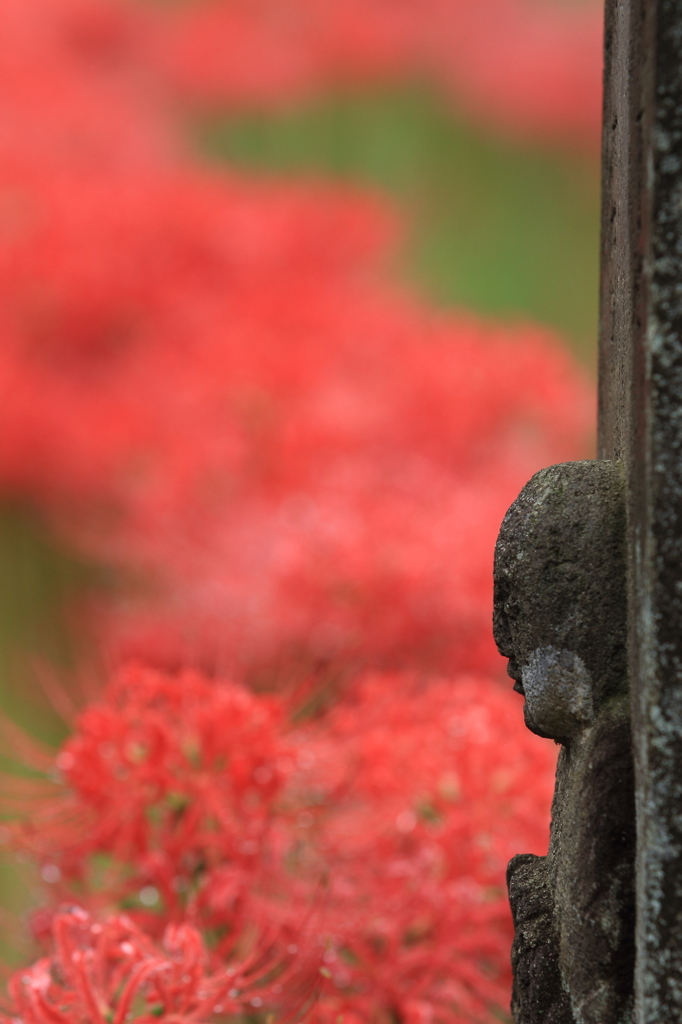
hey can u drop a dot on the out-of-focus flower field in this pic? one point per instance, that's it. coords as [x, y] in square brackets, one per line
[295, 295]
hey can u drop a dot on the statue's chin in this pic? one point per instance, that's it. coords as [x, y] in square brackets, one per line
[530, 721]
[534, 727]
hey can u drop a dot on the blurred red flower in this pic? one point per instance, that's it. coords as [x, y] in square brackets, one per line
[529, 67]
[208, 380]
[73, 88]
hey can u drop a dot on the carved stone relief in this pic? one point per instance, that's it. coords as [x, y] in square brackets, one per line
[560, 617]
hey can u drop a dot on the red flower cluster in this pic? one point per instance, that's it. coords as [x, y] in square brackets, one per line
[115, 284]
[110, 972]
[440, 785]
[265, 52]
[231, 398]
[208, 381]
[531, 67]
[168, 780]
[70, 88]
[365, 847]
[369, 502]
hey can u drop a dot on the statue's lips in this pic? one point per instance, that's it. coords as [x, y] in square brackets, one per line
[514, 672]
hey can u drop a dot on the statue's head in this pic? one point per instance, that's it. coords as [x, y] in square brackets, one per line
[560, 594]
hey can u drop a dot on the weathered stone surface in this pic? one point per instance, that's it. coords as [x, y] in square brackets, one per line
[560, 618]
[640, 424]
[539, 994]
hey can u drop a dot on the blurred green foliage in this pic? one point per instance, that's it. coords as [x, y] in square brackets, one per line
[496, 226]
[41, 587]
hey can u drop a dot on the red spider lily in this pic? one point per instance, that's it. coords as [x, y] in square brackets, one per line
[388, 828]
[86, 81]
[73, 90]
[359, 524]
[168, 802]
[264, 52]
[110, 972]
[170, 778]
[206, 380]
[530, 67]
[442, 787]
[118, 284]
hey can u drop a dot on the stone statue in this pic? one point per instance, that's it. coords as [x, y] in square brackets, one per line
[560, 617]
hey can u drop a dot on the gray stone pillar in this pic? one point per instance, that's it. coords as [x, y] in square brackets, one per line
[640, 424]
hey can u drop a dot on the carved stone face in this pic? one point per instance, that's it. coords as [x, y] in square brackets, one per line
[560, 602]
